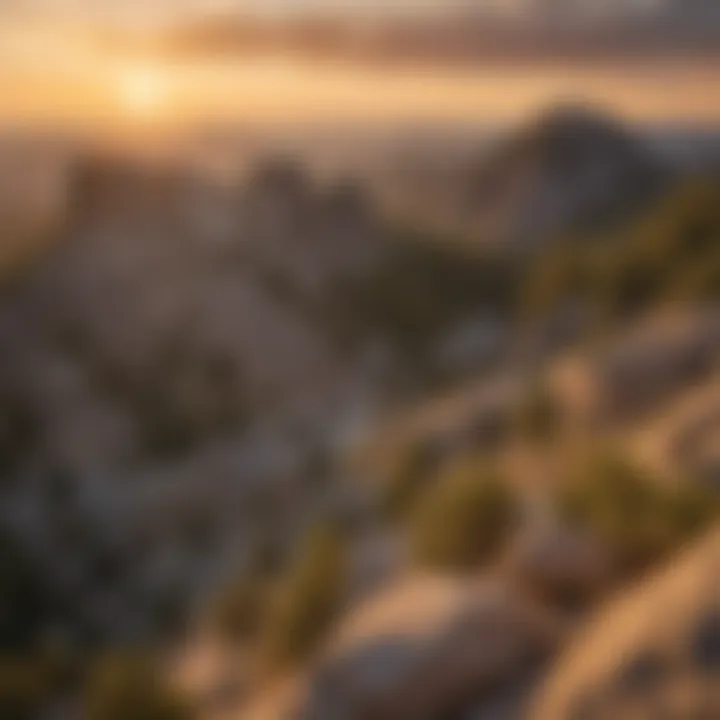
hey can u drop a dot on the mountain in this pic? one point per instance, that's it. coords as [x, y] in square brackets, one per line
[570, 170]
[174, 329]
[177, 329]
[245, 388]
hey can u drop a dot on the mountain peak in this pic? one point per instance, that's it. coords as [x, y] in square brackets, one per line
[569, 166]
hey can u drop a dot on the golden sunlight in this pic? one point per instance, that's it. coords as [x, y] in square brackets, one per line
[142, 90]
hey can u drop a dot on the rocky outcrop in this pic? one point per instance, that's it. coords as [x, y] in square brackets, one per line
[649, 362]
[166, 359]
[653, 653]
[560, 565]
[427, 647]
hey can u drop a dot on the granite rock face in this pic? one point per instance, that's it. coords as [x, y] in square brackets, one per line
[653, 653]
[428, 647]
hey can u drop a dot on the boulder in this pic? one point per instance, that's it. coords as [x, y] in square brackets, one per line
[427, 647]
[653, 653]
[560, 565]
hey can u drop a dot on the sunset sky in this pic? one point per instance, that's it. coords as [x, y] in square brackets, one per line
[172, 9]
[57, 67]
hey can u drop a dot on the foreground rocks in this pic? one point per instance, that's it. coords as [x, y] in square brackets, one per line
[427, 647]
[559, 565]
[655, 653]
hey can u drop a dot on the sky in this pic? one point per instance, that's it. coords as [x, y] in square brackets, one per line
[54, 69]
[128, 10]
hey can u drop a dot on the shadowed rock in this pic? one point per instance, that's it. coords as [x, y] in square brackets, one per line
[653, 653]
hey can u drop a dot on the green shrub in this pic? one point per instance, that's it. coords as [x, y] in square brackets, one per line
[556, 278]
[21, 431]
[182, 397]
[23, 688]
[639, 517]
[308, 597]
[27, 602]
[409, 472]
[668, 252]
[538, 415]
[237, 612]
[424, 285]
[464, 519]
[31, 682]
[128, 685]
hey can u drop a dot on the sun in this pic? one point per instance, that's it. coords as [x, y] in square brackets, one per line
[142, 91]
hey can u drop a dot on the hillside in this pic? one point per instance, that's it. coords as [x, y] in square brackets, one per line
[652, 651]
[310, 455]
[565, 172]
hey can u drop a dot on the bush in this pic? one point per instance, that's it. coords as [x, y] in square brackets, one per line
[23, 688]
[309, 597]
[28, 605]
[464, 519]
[640, 518]
[554, 280]
[410, 470]
[667, 253]
[237, 612]
[21, 431]
[538, 415]
[128, 685]
[182, 397]
[425, 285]
[30, 682]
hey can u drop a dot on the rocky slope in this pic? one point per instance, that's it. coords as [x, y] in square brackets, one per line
[425, 647]
[565, 172]
[186, 376]
[654, 652]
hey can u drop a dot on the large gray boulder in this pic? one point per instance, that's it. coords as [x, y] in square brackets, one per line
[428, 647]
